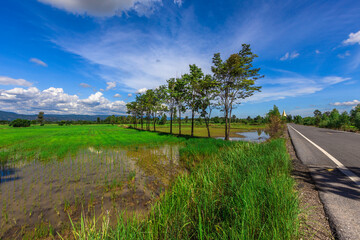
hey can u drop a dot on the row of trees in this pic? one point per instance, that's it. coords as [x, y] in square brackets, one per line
[332, 119]
[232, 80]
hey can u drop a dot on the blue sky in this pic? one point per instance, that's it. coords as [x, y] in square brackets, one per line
[93, 56]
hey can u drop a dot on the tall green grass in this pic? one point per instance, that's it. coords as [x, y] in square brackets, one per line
[243, 191]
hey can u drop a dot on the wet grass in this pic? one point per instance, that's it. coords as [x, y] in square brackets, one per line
[242, 191]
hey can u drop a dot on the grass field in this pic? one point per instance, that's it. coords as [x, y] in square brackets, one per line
[53, 141]
[232, 190]
[216, 130]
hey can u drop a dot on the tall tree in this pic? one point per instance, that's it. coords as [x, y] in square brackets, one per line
[170, 99]
[40, 118]
[192, 96]
[180, 97]
[208, 91]
[236, 78]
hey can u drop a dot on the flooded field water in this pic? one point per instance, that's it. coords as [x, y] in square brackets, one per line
[253, 136]
[93, 181]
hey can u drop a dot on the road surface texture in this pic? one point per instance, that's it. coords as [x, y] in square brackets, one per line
[333, 158]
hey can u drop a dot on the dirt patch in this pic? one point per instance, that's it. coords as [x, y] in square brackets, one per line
[314, 222]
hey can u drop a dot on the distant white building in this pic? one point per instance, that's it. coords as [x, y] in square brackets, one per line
[283, 114]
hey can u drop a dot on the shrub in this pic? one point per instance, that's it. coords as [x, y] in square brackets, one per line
[20, 123]
[357, 120]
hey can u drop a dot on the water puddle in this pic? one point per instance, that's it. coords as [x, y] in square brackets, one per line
[93, 181]
[253, 136]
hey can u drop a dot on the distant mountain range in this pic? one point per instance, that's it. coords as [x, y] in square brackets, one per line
[9, 116]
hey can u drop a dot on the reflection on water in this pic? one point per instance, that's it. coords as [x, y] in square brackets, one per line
[95, 180]
[254, 136]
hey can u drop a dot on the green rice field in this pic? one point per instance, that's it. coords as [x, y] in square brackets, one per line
[111, 182]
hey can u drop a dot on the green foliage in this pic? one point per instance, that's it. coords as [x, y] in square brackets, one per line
[163, 119]
[20, 123]
[274, 112]
[357, 120]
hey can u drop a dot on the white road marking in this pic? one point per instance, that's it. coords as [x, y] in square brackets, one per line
[341, 166]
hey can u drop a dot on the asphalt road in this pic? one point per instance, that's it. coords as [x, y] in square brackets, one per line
[335, 166]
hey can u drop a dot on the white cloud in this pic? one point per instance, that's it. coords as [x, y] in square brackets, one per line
[353, 39]
[85, 85]
[350, 103]
[38, 62]
[117, 95]
[129, 95]
[103, 8]
[15, 82]
[55, 100]
[289, 56]
[141, 90]
[110, 85]
[317, 51]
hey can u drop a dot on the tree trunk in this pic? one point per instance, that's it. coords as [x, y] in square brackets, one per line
[192, 122]
[229, 128]
[207, 122]
[179, 121]
[154, 118]
[226, 124]
[142, 122]
[171, 117]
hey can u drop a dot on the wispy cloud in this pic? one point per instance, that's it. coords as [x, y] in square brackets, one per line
[344, 55]
[38, 62]
[289, 56]
[349, 103]
[85, 85]
[15, 82]
[353, 39]
[281, 88]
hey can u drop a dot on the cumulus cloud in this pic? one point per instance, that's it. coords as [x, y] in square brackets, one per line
[289, 56]
[15, 82]
[129, 95]
[38, 62]
[85, 85]
[141, 90]
[103, 8]
[55, 100]
[353, 39]
[117, 95]
[350, 103]
[110, 85]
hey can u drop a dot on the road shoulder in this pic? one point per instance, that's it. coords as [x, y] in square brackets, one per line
[314, 222]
